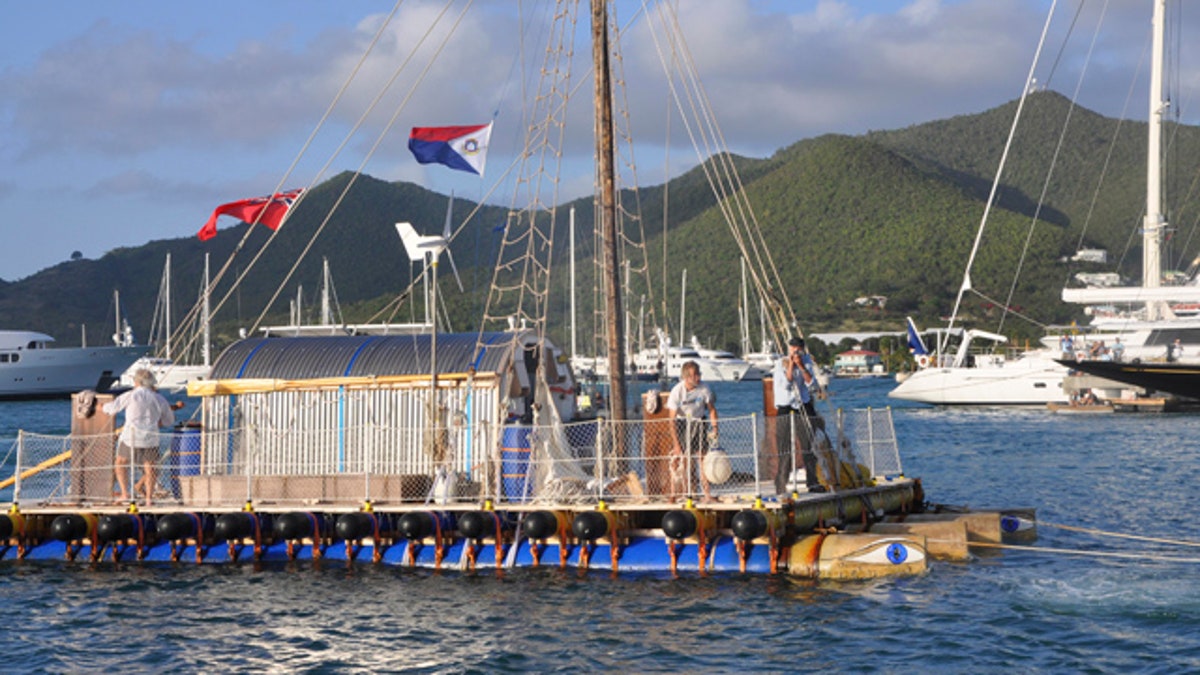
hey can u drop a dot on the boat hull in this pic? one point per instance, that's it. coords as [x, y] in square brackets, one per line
[1032, 382]
[1180, 379]
[60, 372]
[168, 375]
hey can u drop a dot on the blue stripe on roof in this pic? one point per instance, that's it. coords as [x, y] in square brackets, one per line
[479, 356]
[354, 356]
[249, 356]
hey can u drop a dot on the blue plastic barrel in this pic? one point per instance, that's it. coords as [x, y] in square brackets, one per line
[185, 447]
[514, 464]
[185, 454]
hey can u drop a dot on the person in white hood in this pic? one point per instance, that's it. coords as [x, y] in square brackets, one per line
[146, 411]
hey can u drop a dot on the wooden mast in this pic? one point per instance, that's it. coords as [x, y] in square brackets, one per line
[615, 328]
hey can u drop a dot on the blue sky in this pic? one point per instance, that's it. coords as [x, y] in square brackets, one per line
[126, 122]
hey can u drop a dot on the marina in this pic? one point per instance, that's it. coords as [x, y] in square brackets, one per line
[416, 498]
[1064, 603]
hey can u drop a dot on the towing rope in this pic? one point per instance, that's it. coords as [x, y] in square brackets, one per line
[1136, 537]
[1097, 554]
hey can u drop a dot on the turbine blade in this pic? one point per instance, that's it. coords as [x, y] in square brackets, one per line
[454, 268]
[449, 212]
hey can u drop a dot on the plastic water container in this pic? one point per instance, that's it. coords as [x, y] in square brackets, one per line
[185, 454]
[515, 452]
[185, 448]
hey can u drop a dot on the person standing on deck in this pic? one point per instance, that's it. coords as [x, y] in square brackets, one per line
[689, 404]
[146, 411]
[1175, 351]
[794, 379]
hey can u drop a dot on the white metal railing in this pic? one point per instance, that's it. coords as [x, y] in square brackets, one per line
[634, 461]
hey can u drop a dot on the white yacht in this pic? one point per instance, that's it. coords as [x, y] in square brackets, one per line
[1033, 377]
[649, 363]
[728, 366]
[970, 378]
[30, 367]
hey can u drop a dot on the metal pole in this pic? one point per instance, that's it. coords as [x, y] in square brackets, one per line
[571, 239]
[754, 449]
[17, 473]
[870, 436]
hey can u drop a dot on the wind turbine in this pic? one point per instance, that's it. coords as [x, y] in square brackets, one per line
[428, 248]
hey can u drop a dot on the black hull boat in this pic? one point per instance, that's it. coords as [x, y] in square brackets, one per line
[1179, 379]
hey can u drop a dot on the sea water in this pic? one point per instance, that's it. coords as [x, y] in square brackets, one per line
[1076, 601]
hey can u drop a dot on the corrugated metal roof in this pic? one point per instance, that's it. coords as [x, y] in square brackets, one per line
[359, 355]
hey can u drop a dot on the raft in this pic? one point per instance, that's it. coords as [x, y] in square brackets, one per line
[318, 449]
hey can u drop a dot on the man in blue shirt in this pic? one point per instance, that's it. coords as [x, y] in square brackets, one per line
[794, 379]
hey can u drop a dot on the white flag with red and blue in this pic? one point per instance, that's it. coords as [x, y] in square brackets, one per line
[458, 147]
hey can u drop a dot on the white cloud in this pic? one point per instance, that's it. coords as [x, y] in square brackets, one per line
[194, 106]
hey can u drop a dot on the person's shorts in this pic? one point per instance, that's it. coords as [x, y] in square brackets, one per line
[139, 455]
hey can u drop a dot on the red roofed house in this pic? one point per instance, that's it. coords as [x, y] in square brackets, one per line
[858, 362]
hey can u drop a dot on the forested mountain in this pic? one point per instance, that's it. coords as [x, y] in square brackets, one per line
[889, 213]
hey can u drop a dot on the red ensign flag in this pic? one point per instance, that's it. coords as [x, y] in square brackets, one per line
[268, 211]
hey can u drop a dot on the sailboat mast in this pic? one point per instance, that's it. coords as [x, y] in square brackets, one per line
[167, 304]
[326, 314]
[744, 312]
[1155, 222]
[571, 261]
[206, 321]
[683, 307]
[608, 209]
[117, 306]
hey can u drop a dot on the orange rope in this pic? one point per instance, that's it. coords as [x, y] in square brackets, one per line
[377, 555]
[499, 541]
[97, 551]
[258, 547]
[470, 555]
[199, 537]
[439, 550]
[563, 554]
[316, 547]
[141, 537]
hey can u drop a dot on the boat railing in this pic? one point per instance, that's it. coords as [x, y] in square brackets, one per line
[582, 462]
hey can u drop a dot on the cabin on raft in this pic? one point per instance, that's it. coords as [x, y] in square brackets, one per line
[310, 419]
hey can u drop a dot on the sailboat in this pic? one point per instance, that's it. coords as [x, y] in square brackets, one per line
[1159, 326]
[665, 359]
[762, 361]
[173, 376]
[1036, 377]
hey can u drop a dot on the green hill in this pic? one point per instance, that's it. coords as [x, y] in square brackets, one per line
[890, 213]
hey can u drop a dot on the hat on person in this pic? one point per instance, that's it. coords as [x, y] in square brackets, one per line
[796, 342]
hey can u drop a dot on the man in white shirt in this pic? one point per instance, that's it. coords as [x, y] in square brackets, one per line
[793, 381]
[146, 411]
[690, 403]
